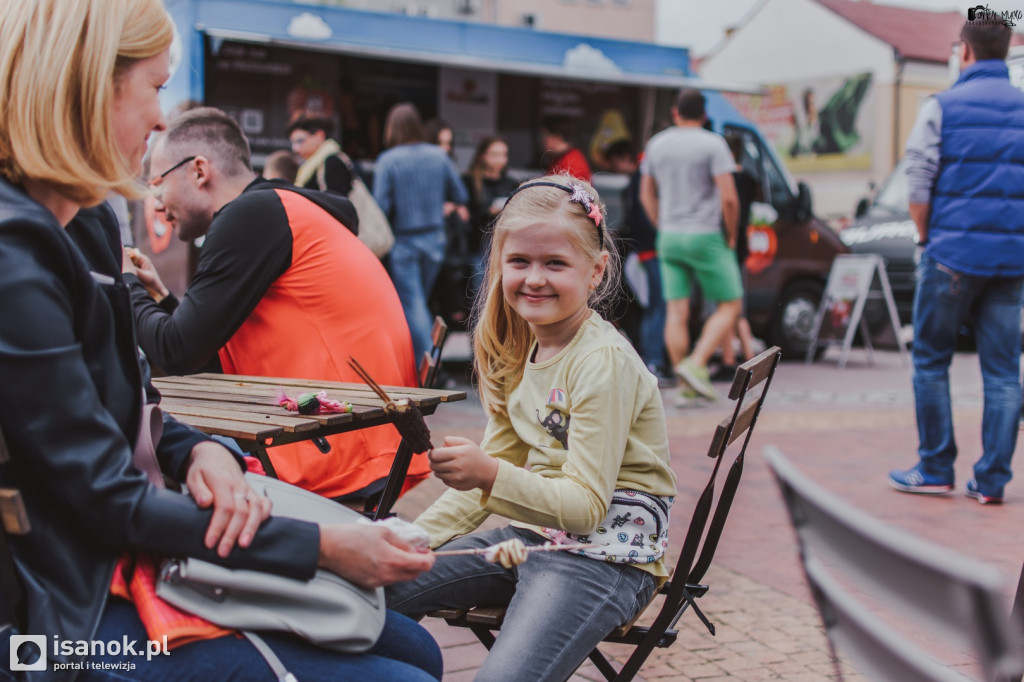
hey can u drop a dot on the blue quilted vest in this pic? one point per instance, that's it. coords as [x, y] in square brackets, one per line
[977, 211]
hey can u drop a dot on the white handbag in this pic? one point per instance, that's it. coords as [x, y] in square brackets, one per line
[327, 610]
[374, 228]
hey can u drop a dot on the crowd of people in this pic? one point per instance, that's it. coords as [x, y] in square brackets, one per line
[576, 438]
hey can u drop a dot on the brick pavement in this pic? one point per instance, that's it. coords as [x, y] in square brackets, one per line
[845, 429]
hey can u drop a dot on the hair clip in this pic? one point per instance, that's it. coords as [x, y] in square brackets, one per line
[579, 195]
[582, 197]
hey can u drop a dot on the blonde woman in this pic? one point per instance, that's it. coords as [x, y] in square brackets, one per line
[79, 81]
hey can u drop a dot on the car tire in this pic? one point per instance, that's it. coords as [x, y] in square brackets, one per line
[795, 314]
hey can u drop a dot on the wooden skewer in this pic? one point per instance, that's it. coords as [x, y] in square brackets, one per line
[551, 547]
[365, 376]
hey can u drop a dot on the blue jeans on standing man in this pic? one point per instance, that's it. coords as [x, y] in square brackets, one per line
[560, 605]
[942, 301]
[652, 319]
[416, 260]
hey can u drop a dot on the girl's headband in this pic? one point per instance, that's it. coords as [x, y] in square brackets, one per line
[579, 196]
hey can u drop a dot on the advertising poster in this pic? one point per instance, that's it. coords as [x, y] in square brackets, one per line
[814, 125]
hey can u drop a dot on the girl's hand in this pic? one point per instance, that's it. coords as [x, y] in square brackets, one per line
[462, 465]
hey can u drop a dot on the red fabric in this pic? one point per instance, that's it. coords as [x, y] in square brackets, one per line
[135, 580]
[334, 301]
[574, 163]
[254, 466]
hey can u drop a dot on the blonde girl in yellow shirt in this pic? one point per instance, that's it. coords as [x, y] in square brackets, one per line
[575, 450]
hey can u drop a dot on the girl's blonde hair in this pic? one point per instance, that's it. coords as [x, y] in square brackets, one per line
[60, 65]
[501, 338]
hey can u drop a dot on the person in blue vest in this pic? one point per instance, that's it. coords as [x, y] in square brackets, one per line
[966, 177]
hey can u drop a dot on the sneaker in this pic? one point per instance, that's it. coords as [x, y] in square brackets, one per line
[916, 481]
[697, 378]
[972, 491]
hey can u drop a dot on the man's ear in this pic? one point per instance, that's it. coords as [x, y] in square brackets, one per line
[202, 171]
[967, 54]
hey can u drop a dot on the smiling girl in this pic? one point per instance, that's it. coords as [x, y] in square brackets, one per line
[575, 451]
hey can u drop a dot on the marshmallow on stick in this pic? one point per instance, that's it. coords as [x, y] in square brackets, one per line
[510, 552]
[406, 417]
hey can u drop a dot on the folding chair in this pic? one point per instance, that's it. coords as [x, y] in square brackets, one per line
[683, 590]
[848, 554]
[15, 522]
[379, 506]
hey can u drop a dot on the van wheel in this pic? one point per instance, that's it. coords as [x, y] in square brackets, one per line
[793, 325]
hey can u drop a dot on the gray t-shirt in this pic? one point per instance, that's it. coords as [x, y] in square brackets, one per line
[684, 162]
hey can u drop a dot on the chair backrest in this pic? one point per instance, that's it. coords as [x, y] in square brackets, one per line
[431, 361]
[702, 536]
[913, 584]
[380, 506]
[15, 522]
[755, 373]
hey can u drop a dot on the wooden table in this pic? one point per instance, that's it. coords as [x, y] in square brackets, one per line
[245, 408]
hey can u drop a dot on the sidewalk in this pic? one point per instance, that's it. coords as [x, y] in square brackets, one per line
[845, 429]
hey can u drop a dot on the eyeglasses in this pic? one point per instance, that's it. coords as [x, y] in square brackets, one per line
[158, 179]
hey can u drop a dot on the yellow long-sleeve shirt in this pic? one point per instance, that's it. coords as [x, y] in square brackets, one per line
[579, 426]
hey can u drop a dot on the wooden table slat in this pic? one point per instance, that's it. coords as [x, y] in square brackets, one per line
[231, 429]
[442, 395]
[202, 409]
[267, 396]
[325, 419]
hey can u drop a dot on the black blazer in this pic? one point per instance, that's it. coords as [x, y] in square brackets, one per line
[70, 403]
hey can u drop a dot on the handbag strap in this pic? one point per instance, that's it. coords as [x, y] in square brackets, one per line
[151, 428]
[280, 671]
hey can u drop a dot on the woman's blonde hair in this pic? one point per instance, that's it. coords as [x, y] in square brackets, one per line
[501, 338]
[60, 66]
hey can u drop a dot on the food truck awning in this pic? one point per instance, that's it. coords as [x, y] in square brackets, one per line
[461, 44]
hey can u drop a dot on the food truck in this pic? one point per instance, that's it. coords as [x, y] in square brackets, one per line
[266, 61]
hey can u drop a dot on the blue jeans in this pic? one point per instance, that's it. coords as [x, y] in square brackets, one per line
[405, 651]
[415, 263]
[559, 605]
[943, 299]
[652, 319]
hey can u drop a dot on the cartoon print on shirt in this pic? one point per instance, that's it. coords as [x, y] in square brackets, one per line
[556, 424]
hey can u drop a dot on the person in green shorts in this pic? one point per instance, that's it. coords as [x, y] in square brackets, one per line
[687, 189]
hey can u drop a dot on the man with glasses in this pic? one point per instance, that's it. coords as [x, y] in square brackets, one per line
[282, 288]
[965, 174]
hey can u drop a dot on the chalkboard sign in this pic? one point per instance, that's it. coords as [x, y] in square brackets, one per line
[841, 310]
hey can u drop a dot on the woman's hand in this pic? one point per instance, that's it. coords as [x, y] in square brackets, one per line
[137, 263]
[214, 478]
[370, 555]
[462, 465]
